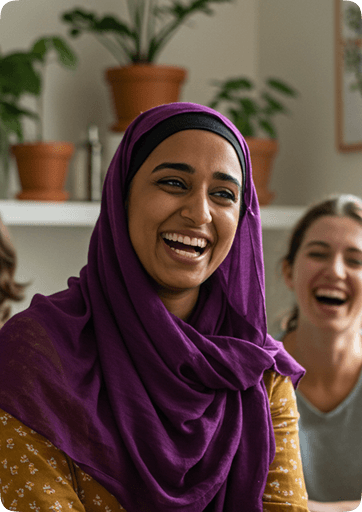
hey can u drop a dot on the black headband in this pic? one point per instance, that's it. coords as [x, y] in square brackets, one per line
[185, 121]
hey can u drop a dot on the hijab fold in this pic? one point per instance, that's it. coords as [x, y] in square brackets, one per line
[166, 415]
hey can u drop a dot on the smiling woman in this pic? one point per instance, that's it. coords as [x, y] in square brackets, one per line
[323, 267]
[179, 201]
[151, 380]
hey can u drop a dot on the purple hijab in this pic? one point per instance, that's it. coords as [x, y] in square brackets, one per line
[166, 415]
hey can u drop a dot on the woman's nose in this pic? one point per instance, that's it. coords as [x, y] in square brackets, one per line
[197, 209]
[337, 267]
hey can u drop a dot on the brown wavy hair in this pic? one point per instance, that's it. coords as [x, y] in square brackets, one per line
[10, 290]
[344, 205]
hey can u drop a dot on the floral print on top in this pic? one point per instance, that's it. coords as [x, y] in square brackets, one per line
[36, 477]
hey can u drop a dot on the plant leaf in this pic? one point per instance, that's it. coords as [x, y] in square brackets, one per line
[66, 56]
[40, 48]
[18, 76]
[237, 84]
[267, 127]
[273, 106]
[242, 122]
[249, 106]
[281, 87]
[10, 118]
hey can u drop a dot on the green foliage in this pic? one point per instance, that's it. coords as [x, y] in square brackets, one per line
[352, 49]
[249, 113]
[149, 28]
[353, 19]
[20, 75]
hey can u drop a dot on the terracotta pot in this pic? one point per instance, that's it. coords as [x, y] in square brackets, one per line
[43, 168]
[139, 87]
[262, 153]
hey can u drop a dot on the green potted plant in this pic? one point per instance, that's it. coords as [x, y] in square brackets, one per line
[42, 165]
[253, 116]
[17, 77]
[137, 83]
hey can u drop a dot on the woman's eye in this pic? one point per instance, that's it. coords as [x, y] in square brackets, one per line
[318, 255]
[225, 194]
[355, 263]
[172, 182]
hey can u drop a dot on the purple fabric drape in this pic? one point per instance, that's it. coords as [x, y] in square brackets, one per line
[166, 415]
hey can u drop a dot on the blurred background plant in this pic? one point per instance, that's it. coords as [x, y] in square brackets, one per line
[252, 113]
[352, 49]
[148, 30]
[21, 74]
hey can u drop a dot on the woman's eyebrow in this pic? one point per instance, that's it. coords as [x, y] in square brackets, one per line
[317, 242]
[327, 246]
[191, 170]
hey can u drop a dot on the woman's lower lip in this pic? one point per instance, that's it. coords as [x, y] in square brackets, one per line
[191, 260]
[329, 308]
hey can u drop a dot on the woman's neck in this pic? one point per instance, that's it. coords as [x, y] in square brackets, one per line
[325, 353]
[180, 304]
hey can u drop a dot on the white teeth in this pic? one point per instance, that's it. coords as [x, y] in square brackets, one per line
[186, 240]
[188, 254]
[333, 294]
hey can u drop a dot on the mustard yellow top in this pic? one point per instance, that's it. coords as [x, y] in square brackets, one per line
[36, 477]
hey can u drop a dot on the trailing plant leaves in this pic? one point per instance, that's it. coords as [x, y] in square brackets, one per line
[281, 87]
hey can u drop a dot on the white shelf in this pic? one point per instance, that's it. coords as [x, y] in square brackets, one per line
[74, 213]
[34, 213]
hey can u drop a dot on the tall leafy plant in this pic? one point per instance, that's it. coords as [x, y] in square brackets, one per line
[148, 29]
[250, 112]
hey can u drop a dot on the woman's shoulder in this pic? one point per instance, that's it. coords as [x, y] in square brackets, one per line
[279, 387]
[36, 475]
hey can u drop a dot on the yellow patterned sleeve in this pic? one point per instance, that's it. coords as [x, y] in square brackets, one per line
[35, 476]
[285, 488]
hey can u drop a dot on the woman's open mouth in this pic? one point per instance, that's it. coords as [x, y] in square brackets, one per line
[331, 297]
[185, 245]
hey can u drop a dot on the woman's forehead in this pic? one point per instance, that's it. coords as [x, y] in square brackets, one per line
[197, 146]
[334, 230]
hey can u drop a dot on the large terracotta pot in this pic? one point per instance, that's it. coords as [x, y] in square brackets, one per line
[43, 168]
[262, 153]
[139, 87]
